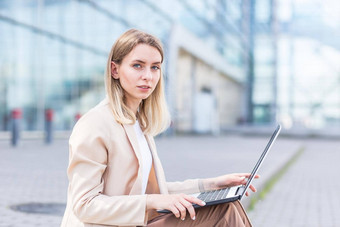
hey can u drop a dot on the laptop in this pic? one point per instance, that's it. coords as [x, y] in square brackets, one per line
[233, 193]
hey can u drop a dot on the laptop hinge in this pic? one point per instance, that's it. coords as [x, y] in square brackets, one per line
[240, 191]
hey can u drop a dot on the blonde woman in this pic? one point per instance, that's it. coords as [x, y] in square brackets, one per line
[115, 175]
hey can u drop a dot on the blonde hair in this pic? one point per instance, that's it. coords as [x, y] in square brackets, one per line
[153, 114]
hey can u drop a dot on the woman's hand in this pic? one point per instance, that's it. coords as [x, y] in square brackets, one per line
[178, 204]
[228, 180]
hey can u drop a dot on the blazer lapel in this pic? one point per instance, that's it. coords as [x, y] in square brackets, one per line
[137, 187]
[130, 132]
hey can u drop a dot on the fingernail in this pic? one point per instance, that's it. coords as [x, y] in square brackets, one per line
[194, 218]
[183, 219]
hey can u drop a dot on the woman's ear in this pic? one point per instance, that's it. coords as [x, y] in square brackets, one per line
[114, 70]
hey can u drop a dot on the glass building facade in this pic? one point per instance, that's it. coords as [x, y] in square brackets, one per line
[295, 77]
[53, 54]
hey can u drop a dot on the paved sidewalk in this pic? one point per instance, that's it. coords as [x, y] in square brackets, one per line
[34, 172]
[308, 194]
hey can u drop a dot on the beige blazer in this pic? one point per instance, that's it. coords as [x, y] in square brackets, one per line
[105, 174]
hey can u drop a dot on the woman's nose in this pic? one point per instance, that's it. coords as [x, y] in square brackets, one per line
[147, 75]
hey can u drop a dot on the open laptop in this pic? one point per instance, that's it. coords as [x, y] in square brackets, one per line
[233, 193]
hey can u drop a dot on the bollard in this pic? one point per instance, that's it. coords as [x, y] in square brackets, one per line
[48, 126]
[16, 116]
[77, 117]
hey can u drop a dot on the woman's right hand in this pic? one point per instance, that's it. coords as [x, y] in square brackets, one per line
[178, 204]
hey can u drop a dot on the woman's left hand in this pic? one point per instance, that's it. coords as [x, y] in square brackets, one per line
[228, 180]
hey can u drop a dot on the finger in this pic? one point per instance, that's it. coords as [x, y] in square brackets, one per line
[175, 211]
[242, 174]
[244, 180]
[190, 208]
[252, 188]
[247, 175]
[182, 210]
[241, 178]
[195, 200]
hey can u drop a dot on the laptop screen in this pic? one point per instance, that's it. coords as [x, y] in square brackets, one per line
[263, 155]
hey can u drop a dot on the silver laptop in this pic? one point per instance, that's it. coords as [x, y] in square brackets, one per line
[233, 193]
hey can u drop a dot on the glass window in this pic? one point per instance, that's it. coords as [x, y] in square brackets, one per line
[263, 11]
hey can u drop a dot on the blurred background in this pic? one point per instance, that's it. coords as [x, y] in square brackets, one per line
[233, 69]
[228, 63]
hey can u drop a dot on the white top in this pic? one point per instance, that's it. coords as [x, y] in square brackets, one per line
[146, 155]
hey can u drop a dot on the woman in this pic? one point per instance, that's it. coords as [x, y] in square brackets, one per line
[115, 175]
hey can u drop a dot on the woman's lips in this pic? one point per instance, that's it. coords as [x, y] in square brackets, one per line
[144, 87]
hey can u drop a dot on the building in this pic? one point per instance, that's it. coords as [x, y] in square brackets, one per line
[227, 62]
[53, 56]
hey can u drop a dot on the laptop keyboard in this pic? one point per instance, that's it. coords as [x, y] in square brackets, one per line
[214, 195]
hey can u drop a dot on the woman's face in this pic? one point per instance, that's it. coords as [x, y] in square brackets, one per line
[138, 73]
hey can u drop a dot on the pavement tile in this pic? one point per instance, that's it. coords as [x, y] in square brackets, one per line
[35, 172]
[307, 195]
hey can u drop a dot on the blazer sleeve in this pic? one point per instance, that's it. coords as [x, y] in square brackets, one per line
[88, 161]
[188, 186]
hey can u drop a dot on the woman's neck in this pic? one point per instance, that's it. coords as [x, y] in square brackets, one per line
[133, 107]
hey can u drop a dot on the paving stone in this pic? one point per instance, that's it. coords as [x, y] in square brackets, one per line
[36, 173]
[307, 195]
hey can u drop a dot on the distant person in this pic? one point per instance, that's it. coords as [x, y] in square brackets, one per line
[115, 175]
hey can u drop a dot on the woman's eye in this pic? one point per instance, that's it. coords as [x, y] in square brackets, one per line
[137, 66]
[155, 67]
